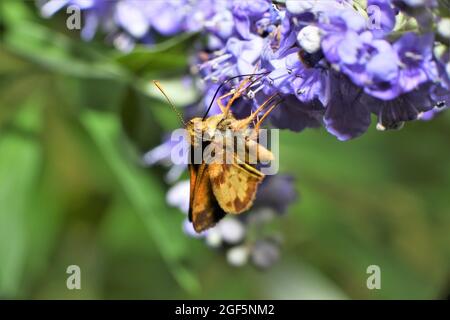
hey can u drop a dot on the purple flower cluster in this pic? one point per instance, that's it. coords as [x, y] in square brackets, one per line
[129, 21]
[336, 65]
[334, 62]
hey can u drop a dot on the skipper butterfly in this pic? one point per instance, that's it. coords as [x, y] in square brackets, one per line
[226, 182]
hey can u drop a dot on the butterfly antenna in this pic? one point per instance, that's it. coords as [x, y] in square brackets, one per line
[158, 85]
[225, 82]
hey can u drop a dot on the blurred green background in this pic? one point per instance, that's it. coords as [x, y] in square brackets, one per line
[75, 119]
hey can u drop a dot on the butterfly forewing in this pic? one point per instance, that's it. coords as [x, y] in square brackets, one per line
[204, 211]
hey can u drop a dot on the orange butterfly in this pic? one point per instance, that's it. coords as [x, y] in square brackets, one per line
[218, 187]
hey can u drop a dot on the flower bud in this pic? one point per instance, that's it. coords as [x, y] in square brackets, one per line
[309, 39]
[443, 28]
[237, 256]
[297, 7]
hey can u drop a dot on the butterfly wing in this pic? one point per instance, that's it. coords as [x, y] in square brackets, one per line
[234, 185]
[204, 211]
[193, 171]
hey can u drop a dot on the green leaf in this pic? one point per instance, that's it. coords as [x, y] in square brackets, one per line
[14, 12]
[166, 57]
[294, 280]
[58, 53]
[179, 93]
[20, 163]
[144, 194]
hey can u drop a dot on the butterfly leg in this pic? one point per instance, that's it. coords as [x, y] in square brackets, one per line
[236, 94]
[245, 122]
[220, 103]
[257, 119]
[260, 121]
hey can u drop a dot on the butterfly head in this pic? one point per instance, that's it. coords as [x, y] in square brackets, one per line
[198, 128]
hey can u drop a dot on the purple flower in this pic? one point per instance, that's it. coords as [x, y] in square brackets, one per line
[439, 95]
[339, 27]
[265, 253]
[52, 6]
[382, 16]
[369, 62]
[178, 196]
[220, 25]
[347, 116]
[440, 98]
[416, 60]
[238, 57]
[96, 13]
[280, 41]
[345, 44]
[300, 73]
[409, 106]
[248, 15]
[166, 17]
[162, 155]
[131, 16]
[384, 70]
[277, 192]
[138, 18]
[297, 116]
[381, 73]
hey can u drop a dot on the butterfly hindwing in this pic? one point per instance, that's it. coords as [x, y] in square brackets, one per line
[234, 185]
